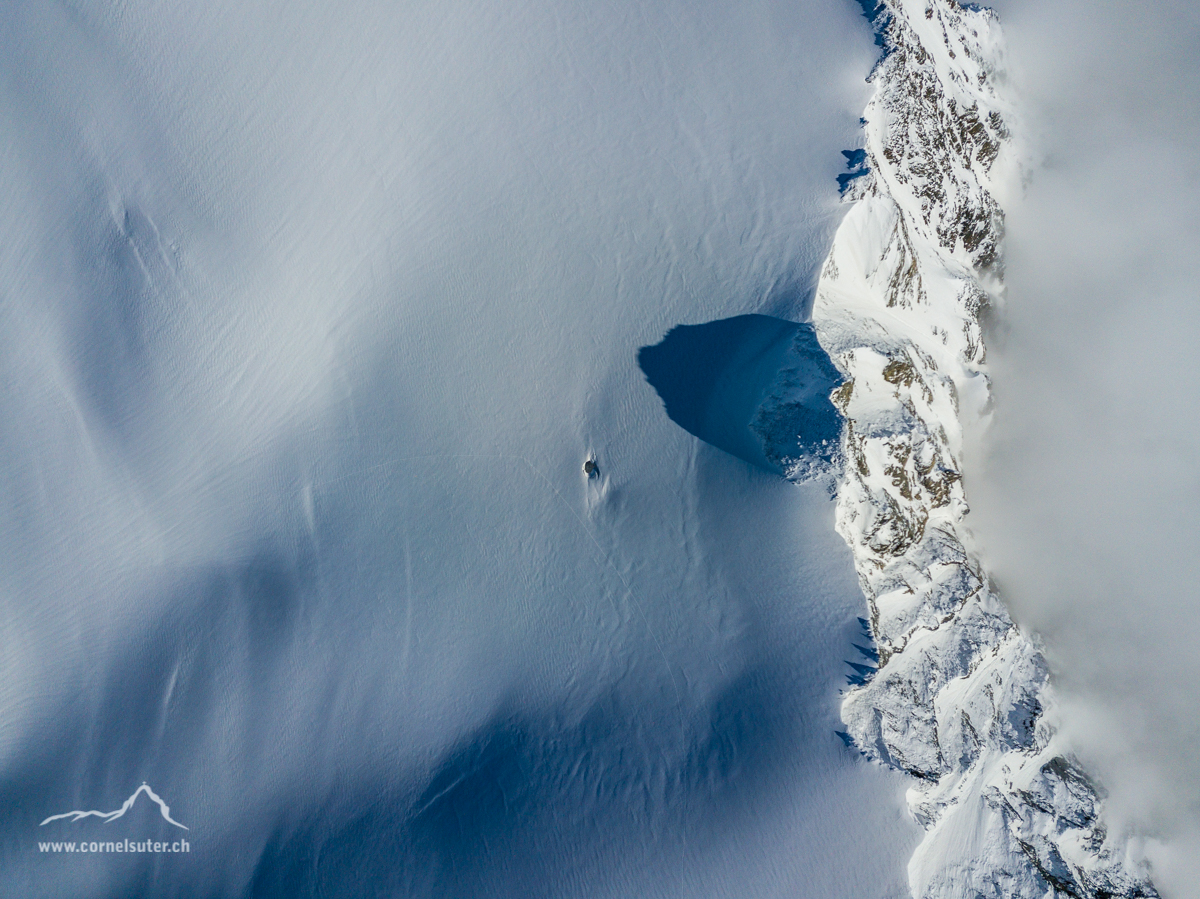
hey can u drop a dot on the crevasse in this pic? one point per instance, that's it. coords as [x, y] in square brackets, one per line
[960, 695]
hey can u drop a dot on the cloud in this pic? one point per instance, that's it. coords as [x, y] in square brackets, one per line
[1086, 496]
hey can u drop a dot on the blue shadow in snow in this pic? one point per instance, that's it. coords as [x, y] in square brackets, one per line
[856, 163]
[754, 386]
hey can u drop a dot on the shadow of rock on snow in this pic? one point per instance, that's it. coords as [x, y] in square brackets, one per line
[754, 386]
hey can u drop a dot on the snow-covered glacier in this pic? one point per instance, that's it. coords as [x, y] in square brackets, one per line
[312, 314]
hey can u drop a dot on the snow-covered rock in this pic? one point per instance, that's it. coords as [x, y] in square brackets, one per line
[960, 693]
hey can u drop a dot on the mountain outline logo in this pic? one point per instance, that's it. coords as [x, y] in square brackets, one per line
[112, 816]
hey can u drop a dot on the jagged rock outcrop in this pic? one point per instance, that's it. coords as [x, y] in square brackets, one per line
[958, 696]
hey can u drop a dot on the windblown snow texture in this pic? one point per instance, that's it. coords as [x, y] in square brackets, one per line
[959, 696]
[311, 314]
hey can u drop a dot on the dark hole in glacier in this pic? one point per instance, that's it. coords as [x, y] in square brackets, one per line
[754, 386]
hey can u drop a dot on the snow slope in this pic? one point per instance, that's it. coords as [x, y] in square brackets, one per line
[960, 695]
[311, 314]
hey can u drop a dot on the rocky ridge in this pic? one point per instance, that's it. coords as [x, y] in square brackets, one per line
[952, 691]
